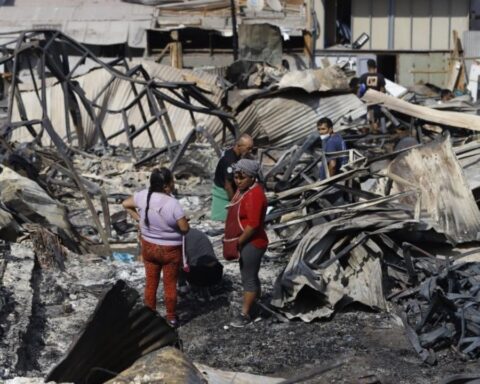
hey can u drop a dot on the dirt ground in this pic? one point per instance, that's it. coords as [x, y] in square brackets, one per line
[368, 343]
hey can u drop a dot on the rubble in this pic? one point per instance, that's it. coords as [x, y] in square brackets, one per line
[384, 252]
[31, 204]
[119, 332]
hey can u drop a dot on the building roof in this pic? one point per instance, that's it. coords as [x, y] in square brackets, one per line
[96, 22]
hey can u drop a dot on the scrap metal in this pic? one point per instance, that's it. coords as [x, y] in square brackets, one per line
[48, 50]
[120, 331]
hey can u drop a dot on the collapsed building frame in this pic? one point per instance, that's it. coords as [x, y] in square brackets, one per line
[50, 50]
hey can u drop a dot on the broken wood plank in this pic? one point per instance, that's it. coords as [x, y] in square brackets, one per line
[454, 119]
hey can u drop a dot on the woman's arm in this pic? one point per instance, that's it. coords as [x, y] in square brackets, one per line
[131, 208]
[253, 205]
[183, 225]
[246, 236]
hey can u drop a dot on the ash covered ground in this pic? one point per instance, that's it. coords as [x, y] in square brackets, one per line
[371, 344]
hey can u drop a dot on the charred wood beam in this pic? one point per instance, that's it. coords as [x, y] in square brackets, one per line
[156, 153]
[58, 65]
[191, 138]
[183, 147]
[13, 84]
[348, 208]
[72, 71]
[63, 150]
[140, 105]
[66, 101]
[91, 188]
[211, 109]
[158, 113]
[126, 129]
[23, 114]
[210, 139]
[80, 93]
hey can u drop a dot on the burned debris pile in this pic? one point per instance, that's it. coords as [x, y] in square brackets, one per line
[396, 230]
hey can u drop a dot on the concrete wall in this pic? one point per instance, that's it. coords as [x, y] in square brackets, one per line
[421, 25]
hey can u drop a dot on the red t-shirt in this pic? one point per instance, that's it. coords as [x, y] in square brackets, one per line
[253, 208]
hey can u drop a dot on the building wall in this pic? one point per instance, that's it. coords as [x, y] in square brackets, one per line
[414, 68]
[421, 25]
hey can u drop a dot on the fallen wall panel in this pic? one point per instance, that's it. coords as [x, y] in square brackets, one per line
[446, 199]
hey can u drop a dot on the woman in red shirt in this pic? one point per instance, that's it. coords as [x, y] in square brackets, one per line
[245, 237]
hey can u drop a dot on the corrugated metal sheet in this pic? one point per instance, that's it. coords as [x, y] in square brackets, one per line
[283, 119]
[420, 25]
[292, 20]
[88, 21]
[416, 67]
[471, 45]
[119, 332]
[119, 94]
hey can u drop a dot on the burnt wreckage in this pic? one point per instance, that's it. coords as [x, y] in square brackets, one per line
[388, 232]
[49, 51]
[392, 239]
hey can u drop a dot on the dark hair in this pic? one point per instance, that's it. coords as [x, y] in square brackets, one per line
[326, 121]
[159, 179]
[353, 84]
[445, 92]
[371, 63]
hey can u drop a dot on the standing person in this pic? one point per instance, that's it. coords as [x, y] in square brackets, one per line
[372, 80]
[223, 185]
[331, 142]
[245, 236]
[162, 225]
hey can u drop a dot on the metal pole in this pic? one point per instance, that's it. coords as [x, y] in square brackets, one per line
[234, 30]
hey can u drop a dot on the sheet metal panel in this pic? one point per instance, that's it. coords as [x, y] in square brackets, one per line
[440, 22]
[420, 25]
[283, 120]
[471, 45]
[361, 20]
[416, 67]
[403, 23]
[460, 20]
[119, 94]
[379, 35]
[111, 22]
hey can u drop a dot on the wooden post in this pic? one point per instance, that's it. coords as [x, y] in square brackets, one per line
[307, 35]
[457, 77]
[176, 51]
